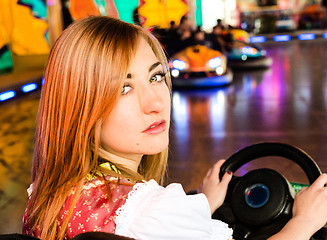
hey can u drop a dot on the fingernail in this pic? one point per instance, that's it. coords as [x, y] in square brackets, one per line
[230, 172]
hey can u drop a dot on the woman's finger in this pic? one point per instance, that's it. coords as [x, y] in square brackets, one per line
[226, 179]
[216, 169]
[320, 182]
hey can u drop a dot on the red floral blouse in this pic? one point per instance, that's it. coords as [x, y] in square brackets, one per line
[95, 209]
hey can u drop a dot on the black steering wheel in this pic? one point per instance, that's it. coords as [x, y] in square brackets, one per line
[259, 203]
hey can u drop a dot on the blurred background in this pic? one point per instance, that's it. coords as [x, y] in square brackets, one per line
[270, 58]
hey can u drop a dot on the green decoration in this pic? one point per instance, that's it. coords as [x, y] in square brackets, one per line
[125, 9]
[6, 62]
[198, 13]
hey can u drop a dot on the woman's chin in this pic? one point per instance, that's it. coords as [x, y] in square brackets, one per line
[152, 150]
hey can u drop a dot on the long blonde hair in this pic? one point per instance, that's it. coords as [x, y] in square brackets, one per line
[83, 80]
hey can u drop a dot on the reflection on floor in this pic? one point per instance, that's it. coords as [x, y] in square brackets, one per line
[287, 103]
[17, 125]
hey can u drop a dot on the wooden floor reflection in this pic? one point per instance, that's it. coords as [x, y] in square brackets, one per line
[287, 103]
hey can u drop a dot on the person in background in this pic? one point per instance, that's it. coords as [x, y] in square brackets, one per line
[216, 39]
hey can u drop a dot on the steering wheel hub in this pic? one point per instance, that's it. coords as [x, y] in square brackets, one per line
[260, 197]
[257, 195]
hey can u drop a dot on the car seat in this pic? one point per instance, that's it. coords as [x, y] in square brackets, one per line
[17, 236]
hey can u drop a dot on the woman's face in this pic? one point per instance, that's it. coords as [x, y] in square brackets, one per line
[139, 123]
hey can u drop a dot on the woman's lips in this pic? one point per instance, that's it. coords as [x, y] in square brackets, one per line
[156, 128]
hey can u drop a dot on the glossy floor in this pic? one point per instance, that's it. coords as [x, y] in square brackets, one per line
[287, 103]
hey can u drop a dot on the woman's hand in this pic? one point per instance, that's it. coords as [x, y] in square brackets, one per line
[214, 189]
[311, 204]
[309, 212]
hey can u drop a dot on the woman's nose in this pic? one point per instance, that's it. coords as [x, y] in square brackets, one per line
[151, 100]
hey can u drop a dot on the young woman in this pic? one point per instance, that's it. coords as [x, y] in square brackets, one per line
[101, 146]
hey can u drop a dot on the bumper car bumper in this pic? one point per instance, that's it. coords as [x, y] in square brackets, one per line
[203, 81]
[261, 62]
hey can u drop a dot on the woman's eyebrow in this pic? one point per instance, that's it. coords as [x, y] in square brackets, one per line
[153, 66]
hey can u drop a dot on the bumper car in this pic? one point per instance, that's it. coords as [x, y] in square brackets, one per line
[245, 55]
[241, 53]
[237, 35]
[259, 203]
[199, 66]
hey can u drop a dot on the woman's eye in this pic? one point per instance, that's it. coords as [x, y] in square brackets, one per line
[126, 89]
[158, 77]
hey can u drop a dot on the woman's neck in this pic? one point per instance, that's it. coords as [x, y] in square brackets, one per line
[131, 162]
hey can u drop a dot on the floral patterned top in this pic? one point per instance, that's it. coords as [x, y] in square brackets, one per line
[95, 210]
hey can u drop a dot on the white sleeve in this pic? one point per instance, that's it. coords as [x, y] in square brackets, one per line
[155, 212]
